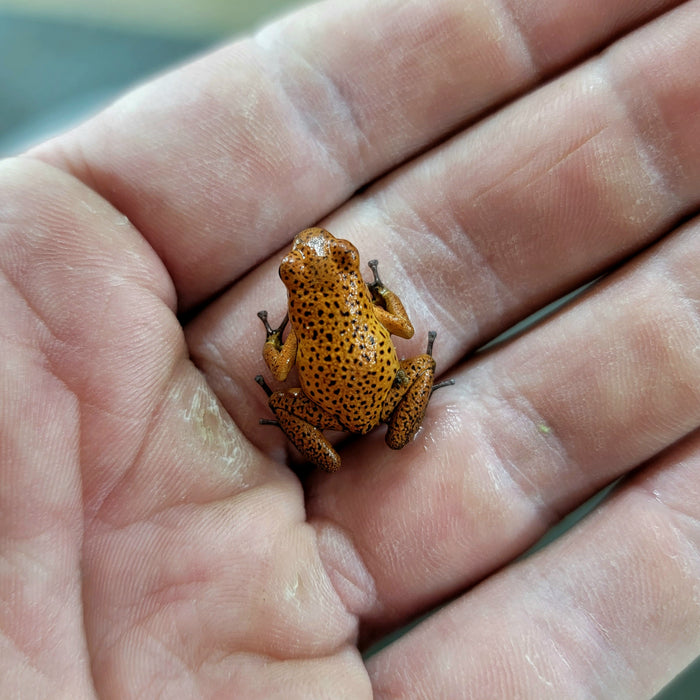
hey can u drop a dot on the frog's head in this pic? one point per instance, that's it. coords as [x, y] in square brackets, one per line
[318, 259]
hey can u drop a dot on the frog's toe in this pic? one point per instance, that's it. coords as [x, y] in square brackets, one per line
[431, 340]
[262, 315]
[442, 385]
[373, 265]
[261, 381]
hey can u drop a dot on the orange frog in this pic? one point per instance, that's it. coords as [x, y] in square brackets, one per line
[340, 338]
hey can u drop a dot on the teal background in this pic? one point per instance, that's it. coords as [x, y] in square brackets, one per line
[53, 72]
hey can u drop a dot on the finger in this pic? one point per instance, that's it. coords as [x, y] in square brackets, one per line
[548, 193]
[609, 610]
[527, 433]
[218, 164]
[474, 236]
[42, 643]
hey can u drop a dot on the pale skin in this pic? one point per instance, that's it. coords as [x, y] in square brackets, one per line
[154, 540]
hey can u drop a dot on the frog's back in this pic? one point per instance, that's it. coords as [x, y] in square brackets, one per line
[346, 359]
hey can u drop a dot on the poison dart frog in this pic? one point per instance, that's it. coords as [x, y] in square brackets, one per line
[350, 376]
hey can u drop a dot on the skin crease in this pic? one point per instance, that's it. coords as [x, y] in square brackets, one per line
[153, 540]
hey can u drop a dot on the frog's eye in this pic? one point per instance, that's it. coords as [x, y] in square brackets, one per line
[290, 267]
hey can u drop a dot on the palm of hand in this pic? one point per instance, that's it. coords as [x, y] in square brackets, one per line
[153, 542]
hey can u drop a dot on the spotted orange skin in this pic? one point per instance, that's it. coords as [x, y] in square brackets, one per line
[345, 357]
[340, 339]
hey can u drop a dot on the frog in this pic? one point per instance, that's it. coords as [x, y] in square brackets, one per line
[350, 376]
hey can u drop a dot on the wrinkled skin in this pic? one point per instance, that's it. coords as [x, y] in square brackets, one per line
[155, 542]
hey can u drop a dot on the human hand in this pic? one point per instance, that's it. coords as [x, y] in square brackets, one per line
[154, 541]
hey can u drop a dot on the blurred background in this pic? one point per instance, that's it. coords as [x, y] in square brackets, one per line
[61, 60]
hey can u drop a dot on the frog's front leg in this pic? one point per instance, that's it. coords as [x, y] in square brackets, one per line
[407, 400]
[388, 307]
[278, 356]
[302, 421]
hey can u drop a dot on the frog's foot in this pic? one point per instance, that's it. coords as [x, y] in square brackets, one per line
[273, 333]
[376, 287]
[302, 421]
[442, 385]
[429, 351]
[374, 265]
[261, 380]
[431, 340]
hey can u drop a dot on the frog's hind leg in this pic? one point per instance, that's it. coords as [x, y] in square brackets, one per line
[405, 419]
[429, 351]
[309, 440]
[410, 396]
[302, 422]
